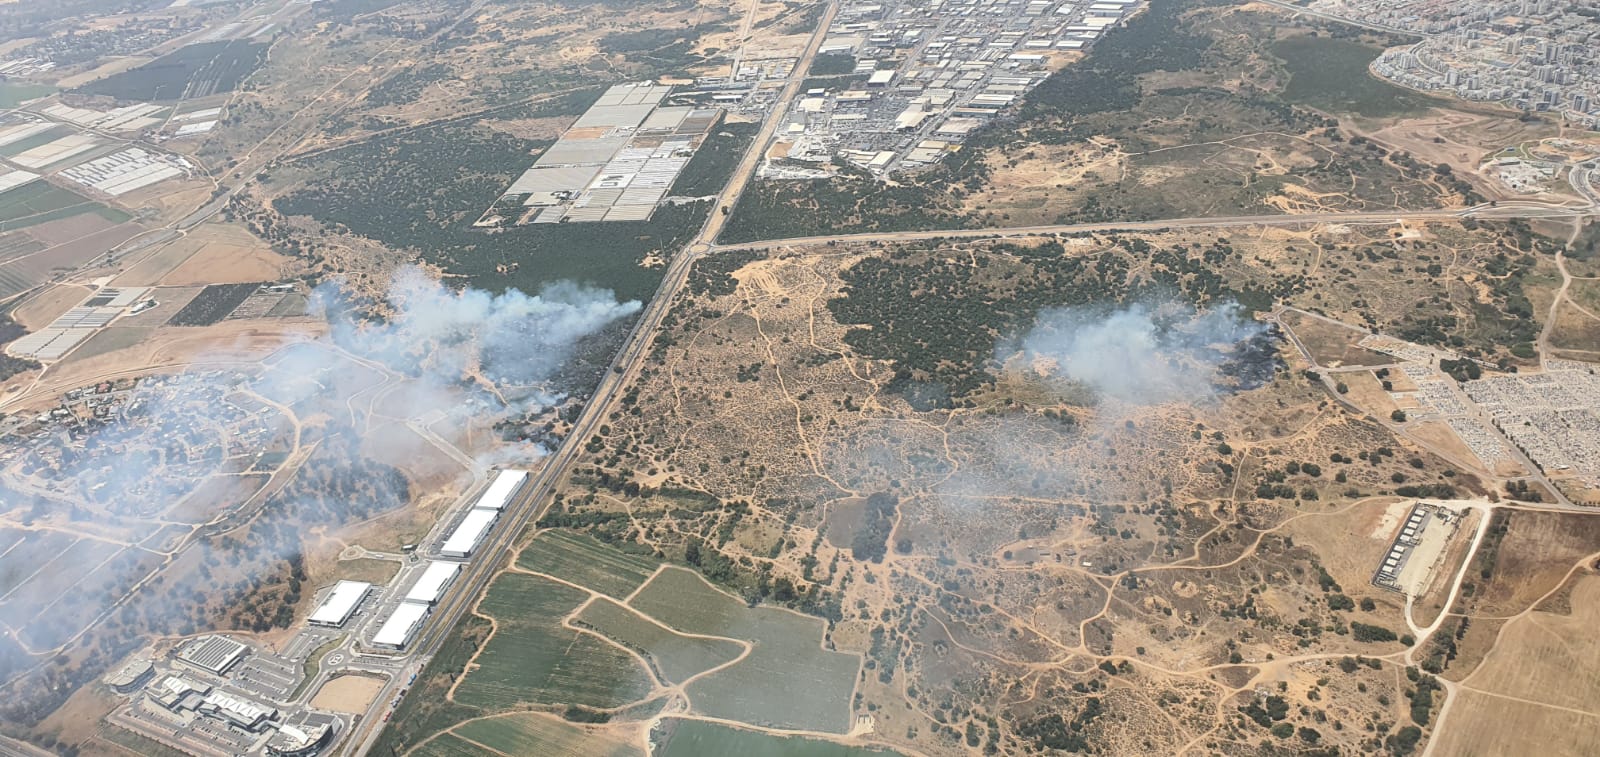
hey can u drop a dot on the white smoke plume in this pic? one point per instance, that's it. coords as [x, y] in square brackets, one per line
[384, 388]
[517, 339]
[1138, 355]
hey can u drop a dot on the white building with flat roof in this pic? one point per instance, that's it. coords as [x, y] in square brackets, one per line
[506, 484]
[469, 533]
[402, 625]
[340, 603]
[435, 579]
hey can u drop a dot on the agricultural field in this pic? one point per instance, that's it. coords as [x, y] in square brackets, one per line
[675, 656]
[698, 738]
[531, 659]
[213, 304]
[580, 559]
[1516, 646]
[530, 656]
[194, 71]
[451, 745]
[32, 257]
[43, 138]
[788, 680]
[14, 94]
[41, 202]
[532, 733]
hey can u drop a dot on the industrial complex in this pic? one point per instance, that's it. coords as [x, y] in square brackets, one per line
[921, 78]
[433, 583]
[214, 695]
[405, 617]
[219, 695]
[340, 603]
[924, 76]
[1422, 539]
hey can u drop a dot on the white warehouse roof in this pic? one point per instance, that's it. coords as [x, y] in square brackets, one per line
[499, 493]
[466, 537]
[337, 606]
[433, 582]
[401, 625]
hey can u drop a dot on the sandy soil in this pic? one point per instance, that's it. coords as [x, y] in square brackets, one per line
[242, 343]
[1366, 392]
[229, 264]
[115, 65]
[211, 254]
[65, 230]
[1540, 677]
[48, 305]
[349, 694]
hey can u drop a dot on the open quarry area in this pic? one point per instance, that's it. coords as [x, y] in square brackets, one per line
[817, 378]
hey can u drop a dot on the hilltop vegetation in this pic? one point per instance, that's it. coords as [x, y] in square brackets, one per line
[830, 430]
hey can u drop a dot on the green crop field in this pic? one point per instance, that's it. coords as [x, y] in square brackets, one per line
[426, 709]
[28, 143]
[450, 745]
[682, 599]
[697, 738]
[676, 657]
[40, 201]
[531, 659]
[787, 681]
[544, 735]
[582, 560]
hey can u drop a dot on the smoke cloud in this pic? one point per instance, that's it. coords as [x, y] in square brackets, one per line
[515, 339]
[1139, 355]
[394, 381]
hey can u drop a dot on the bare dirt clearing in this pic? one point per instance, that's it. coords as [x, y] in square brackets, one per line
[351, 694]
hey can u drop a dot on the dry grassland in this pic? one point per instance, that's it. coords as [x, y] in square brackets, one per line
[1026, 556]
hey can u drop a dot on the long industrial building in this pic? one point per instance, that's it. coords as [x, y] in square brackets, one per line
[469, 534]
[340, 603]
[435, 579]
[402, 625]
[506, 484]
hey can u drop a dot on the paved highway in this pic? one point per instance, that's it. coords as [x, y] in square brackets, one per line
[1502, 210]
[740, 178]
[536, 495]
